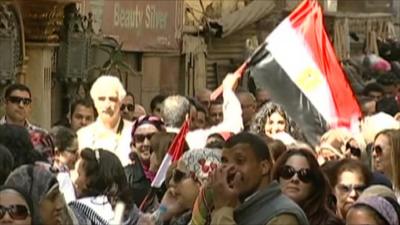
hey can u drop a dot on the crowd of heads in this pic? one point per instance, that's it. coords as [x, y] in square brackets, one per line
[346, 177]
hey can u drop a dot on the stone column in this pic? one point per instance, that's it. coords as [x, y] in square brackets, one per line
[39, 79]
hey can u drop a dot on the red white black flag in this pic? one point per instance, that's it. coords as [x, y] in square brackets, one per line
[302, 73]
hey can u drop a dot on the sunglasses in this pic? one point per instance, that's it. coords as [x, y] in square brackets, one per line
[377, 149]
[130, 107]
[348, 188]
[178, 176]
[354, 150]
[305, 175]
[16, 212]
[18, 100]
[142, 137]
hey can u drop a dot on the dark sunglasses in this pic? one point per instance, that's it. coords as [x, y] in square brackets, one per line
[348, 188]
[305, 175]
[18, 100]
[130, 107]
[377, 149]
[178, 176]
[354, 150]
[142, 137]
[16, 212]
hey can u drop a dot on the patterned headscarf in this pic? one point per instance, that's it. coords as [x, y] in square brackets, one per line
[200, 162]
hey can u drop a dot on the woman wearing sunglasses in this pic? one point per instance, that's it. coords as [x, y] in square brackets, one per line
[15, 207]
[185, 185]
[142, 131]
[348, 178]
[386, 155]
[302, 180]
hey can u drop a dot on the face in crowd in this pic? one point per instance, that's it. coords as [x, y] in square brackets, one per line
[14, 209]
[81, 117]
[350, 185]
[18, 106]
[216, 114]
[382, 155]
[275, 123]
[108, 105]
[128, 108]
[296, 178]
[246, 171]
[141, 142]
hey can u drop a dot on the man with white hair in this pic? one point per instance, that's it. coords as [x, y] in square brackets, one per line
[110, 131]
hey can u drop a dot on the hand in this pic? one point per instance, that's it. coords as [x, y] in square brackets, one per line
[230, 81]
[225, 194]
[173, 206]
[146, 219]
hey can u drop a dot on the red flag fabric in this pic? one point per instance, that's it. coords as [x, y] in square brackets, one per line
[301, 72]
[175, 151]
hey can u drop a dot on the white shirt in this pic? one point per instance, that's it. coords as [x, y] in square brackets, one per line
[96, 135]
[232, 122]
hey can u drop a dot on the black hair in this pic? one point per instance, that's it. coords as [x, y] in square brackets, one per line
[105, 174]
[18, 142]
[387, 79]
[16, 87]
[387, 105]
[87, 102]
[218, 101]
[158, 99]
[128, 93]
[63, 137]
[372, 87]
[257, 145]
[218, 143]
[6, 163]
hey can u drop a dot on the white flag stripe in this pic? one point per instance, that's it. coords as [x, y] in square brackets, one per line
[162, 171]
[290, 51]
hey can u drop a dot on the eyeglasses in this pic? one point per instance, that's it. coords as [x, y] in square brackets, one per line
[353, 150]
[377, 149]
[178, 176]
[130, 107]
[18, 100]
[305, 175]
[16, 212]
[142, 137]
[348, 188]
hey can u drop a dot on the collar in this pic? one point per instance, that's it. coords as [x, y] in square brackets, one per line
[117, 129]
[27, 124]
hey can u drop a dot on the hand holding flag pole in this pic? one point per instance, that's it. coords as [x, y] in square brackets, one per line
[257, 54]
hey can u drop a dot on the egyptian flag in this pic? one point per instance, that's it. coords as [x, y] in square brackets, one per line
[174, 153]
[301, 72]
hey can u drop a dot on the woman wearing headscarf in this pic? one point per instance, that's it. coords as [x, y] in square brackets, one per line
[183, 199]
[49, 207]
[142, 131]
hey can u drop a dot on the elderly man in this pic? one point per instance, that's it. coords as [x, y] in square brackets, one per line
[109, 131]
[176, 108]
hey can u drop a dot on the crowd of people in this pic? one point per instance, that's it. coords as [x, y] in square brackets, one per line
[245, 161]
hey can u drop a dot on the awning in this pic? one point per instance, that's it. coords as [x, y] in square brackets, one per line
[239, 19]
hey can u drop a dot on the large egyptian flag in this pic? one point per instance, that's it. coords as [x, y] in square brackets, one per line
[302, 73]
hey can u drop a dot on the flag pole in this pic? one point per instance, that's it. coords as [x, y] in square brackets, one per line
[240, 71]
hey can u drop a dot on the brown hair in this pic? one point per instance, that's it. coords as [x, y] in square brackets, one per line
[394, 141]
[316, 206]
[351, 165]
